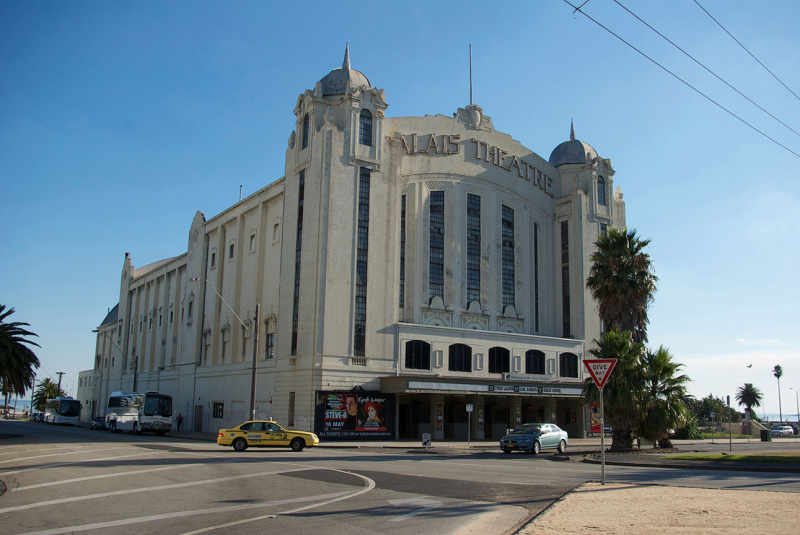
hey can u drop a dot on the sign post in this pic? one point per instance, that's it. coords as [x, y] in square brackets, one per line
[469, 421]
[600, 369]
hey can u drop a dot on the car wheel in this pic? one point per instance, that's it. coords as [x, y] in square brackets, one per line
[297, 444]
[133, 430]
[239, 444]
[506, 451]
[536, 448]
[562, 446]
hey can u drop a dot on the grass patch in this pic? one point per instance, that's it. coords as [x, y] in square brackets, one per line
[784, 458]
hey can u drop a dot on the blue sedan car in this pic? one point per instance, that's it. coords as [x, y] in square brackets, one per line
[534, 438]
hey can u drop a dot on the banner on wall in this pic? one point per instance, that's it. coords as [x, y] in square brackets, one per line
[354, 415]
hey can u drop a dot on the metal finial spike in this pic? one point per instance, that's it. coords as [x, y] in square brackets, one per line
[571, 130]
[346, 62]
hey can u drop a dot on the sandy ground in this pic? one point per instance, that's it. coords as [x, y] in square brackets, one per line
[635, 509]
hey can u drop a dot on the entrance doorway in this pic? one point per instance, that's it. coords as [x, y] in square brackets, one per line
[198, 418]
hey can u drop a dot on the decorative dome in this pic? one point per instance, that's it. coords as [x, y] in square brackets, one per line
[572, 151]
[338, 81]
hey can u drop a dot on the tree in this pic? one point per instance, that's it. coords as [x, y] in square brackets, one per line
[622, 281]
[665, 390]
[624, 388]
[749, 396]
[712, 404]
[777, 371]
[18, 362]
[45, 390]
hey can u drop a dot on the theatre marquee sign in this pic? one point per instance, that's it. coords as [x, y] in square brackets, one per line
[544, 390]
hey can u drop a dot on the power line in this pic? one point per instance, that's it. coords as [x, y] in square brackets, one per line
[706, 68]
[690, 86]
[745, 49]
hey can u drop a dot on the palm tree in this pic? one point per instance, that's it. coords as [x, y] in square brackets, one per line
[749, 396]
[17, 361]
[777, 371]
[46, 389]
[665, 390]
[622, 393]
[621, 279]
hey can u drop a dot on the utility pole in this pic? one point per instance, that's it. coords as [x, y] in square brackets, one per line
[255, 361]
[58, 392]
[135, 371]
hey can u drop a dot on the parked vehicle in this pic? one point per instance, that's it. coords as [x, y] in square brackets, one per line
[62, 411]
[139, 412]
[782, 431]
[534, 438]
[265, 433]
[98, 422]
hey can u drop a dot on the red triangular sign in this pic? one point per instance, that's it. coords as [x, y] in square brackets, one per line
[600, 369]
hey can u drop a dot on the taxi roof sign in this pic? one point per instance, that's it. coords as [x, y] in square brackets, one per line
[600, 369]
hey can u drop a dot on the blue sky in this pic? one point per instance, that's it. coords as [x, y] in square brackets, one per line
[119, 120]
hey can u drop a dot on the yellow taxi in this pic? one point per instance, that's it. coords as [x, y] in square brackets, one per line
[265, 433]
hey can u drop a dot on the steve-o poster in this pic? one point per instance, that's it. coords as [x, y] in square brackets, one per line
[354, 415]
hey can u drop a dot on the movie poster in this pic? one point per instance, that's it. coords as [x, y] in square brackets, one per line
[594, 421]
[354, 415]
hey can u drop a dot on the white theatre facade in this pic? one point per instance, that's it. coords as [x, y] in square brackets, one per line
[405, 268]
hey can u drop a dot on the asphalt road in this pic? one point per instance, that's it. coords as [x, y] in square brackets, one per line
[58, 479]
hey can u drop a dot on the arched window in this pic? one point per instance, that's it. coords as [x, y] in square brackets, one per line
[601, 191]
[418, 355]
[568, 365]
[534, 362]
[460, 358]
[305, 132]
[499, 360]
[365, 128]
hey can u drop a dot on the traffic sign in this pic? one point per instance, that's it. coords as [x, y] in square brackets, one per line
[600, 369]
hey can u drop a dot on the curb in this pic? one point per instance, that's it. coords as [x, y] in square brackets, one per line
[698, 466]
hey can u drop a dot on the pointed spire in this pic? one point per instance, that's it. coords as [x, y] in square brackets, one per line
[346, 62]
[571, 130]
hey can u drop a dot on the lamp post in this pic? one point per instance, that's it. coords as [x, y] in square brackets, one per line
[255, 345]
[797, 400]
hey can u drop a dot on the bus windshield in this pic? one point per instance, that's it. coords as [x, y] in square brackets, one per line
[70, 408]
[158, 406]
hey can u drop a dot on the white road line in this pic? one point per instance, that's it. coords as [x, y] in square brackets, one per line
[369, 487]
[180, 514]
[104, 476]
[28, 451]
[55, 455]
[143, 489]
[70, 463]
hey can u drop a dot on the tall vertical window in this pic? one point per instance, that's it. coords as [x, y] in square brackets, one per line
[508, 256]
[402, 250]
[269, 350]
[292, 397]
[565, 279]
[601, 191]
[437, 245]
[499, 360]
[305, 131]
[365, 128]
[536, 275]
[568, 365]
[418, 355]
[362, 246]
[297, 249]
[460, 358]
[603, 229]
[473, 248]
[534, 362]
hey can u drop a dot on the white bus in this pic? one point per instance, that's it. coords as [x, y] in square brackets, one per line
[62, 411]
[139, 411]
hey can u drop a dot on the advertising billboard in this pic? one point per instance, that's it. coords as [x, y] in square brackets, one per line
[354, 415]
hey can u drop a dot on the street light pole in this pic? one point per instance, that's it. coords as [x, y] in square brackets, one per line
[797, 400]
[255, 344]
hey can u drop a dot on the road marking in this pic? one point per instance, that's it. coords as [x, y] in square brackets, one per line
[422, 502]
[180, 514]
[25, 451]
[369, 487]
[70, 463]
[55, 455]
[144, 489]
[118, 474]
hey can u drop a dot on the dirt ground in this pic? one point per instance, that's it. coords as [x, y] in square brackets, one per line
[636, 509]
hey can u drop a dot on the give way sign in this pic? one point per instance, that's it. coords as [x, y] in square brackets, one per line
[600, 369]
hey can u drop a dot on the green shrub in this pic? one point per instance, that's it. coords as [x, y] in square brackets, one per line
[691, 431]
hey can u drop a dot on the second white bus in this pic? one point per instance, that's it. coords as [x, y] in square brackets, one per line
[139, 412]
[62, 411]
